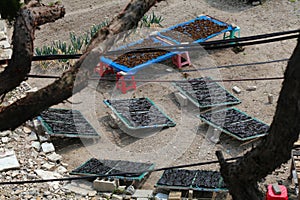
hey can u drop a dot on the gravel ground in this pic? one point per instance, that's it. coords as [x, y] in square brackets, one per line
[186, 142]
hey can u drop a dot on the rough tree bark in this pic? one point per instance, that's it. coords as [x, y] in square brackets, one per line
[30, 17]
[24, 109]
[242, 176]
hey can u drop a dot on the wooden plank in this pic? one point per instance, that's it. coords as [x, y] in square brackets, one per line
[174, 195]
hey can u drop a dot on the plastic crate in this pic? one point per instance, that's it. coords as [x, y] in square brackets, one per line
[71, 123]
[222, 127]
[227, 27]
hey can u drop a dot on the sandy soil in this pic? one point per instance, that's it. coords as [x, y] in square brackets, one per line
[186, 142]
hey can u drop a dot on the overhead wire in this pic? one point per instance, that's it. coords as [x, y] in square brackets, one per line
[208, 45]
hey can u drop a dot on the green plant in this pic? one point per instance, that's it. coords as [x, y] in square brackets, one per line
[147, 21]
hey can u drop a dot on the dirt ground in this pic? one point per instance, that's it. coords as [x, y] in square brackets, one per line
[186, 142]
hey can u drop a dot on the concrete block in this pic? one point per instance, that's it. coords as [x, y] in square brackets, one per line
[36, 145]
[104, 185]
[143, 194]
[174, 195]
[236, 89]
[181, 99]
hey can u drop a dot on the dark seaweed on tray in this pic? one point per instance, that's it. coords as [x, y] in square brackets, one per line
[62, 121]
[208, 179]
[140, 112]
[183, 178]
[199, 29]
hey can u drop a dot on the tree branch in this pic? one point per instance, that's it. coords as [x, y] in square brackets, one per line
[29, 18]
[63, 88]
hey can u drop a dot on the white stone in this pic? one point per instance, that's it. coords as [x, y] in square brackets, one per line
[236, 89]
[48, 166]
[54, 157]
[92, 193]
[3, 36]
[48, 175]
[251, 88]
[5, 133]
[5, 140]
[32, 136]
[3, 26]
[61, 170]
[43, 138]
[8, 160]
[36, 145]
[47, 147]
[143, 194]
[6, 53]
[81, 187]
[26, 130]
[4, 44]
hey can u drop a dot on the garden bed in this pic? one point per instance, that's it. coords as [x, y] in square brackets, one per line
[204, 93]
[66, 123]
[134, 170]
[202, 180]
[139, 113]
[236, 123]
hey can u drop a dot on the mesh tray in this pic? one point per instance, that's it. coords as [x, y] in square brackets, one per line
[205, 94]
[137, 117]
[240, 123]
[66, 123]
[106, 167]
[193, 180]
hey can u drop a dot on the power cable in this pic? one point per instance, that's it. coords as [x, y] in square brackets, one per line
[116, 174]
[210, 45]
[188, 70]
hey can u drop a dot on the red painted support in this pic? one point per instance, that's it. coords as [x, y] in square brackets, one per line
[124, 83]
[103, 69]
[178, 59]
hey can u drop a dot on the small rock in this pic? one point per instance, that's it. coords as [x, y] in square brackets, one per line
[49, 167]
[26, 130]
[5, 140]
[169, 70]
[54, 157]
[92, 193]
[251, 88]
[64, 164]
[130, 190]
[236, 89]
[4, 44]
[61, 170]
[32, 136]
[270, 98]
[43, 138]
[36, 145]
[48, 147]
[14, 174]
[5, 133]
[2, 36]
